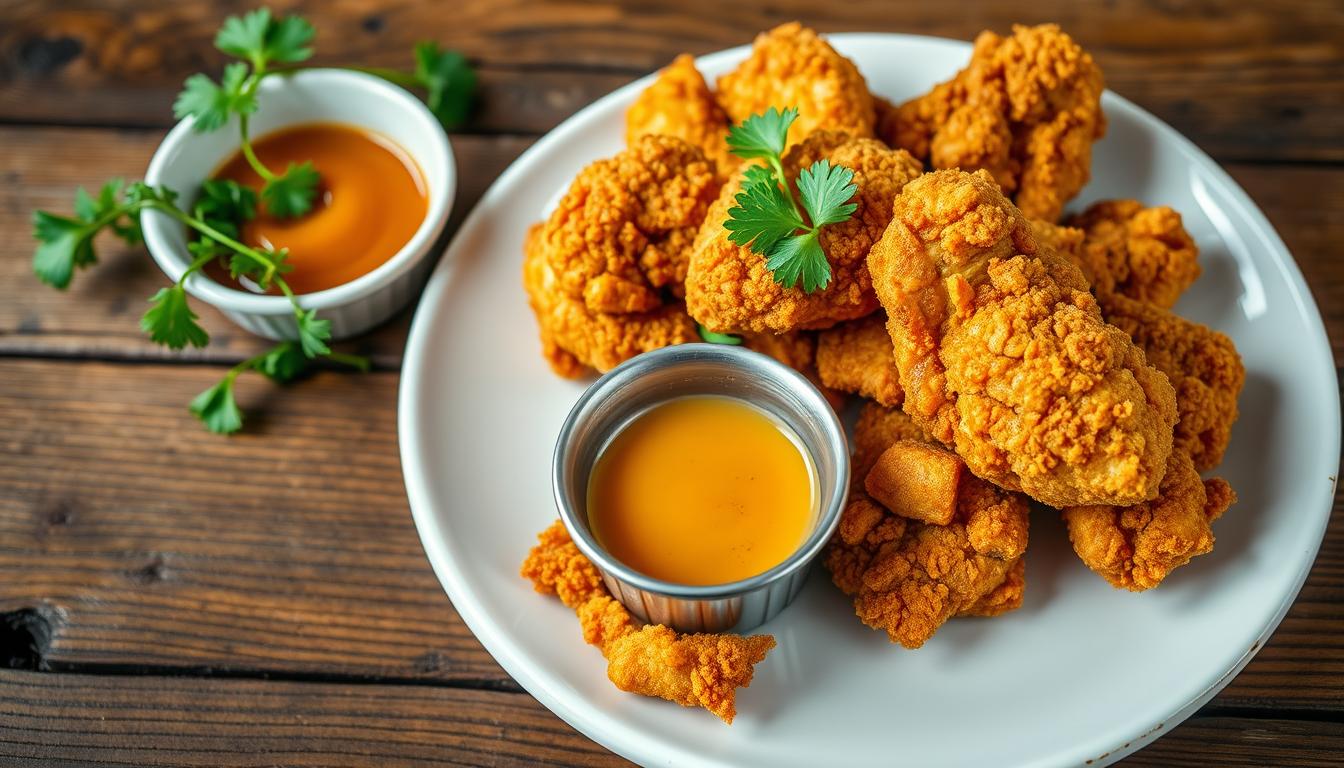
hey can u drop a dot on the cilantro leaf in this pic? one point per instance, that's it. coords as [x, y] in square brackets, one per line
[170, 321]
[63, 245]
[292, 193]
[282, 362]
[800, 257]
[217, 409]
[224, 202]
[762, 135]
[717, 338]
[314, 333]
[211, 105]
[261, 39]
[764, 215]
[448, 80]
[825, 190]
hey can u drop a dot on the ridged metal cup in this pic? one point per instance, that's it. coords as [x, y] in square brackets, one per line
[638, 385]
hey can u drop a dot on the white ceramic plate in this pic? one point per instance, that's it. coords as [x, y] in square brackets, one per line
[1082, 673]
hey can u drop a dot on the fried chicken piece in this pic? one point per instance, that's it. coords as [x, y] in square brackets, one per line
[909, 577]
[790, 66]
[576, 340]
[680, 104]
[857, 357]
[1026, 108]
[603, 272]
[1136, 547]
[730, 290]
[798, 350]
[1202, 365]
[1066, 241]
[876, 430]
[1003, 598]
[1142, 253]
[917, 480]
[1004, 355]
[693, 670]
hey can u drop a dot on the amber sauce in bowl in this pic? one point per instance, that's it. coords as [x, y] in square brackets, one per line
[370, 203]
[702, 490]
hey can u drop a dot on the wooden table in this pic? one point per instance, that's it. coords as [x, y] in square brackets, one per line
[169, 597]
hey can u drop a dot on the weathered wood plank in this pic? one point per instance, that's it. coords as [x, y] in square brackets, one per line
[137, 722]
[143, 541]
[1244, 81]
[98, 316]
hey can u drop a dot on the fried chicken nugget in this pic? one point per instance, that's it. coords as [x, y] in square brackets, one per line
[1026, 108]
[603, 272]
[1136, 547]
[680, 104]
[1004, 355]
[857, 357]
[791, 66]
[1142, 253]
[696, 670]
[909, 577]
[730, 290]
[1202, 365]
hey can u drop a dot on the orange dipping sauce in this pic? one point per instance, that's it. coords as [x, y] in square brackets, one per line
[370, 202]
[702, 490]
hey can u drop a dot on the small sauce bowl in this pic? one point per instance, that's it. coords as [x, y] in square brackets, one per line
[637, 385]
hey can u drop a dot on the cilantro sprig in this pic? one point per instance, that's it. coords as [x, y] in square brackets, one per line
[267, 45]
[66, 244]
[767, 218]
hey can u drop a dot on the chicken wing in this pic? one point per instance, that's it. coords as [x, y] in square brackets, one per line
[1142, 253]
[1136, 547]
[857, 357]
[790, 66]
[680, 104]
[1027, 109]
[696, 670]
[730, 290]
[1004, 355]
[603, 273]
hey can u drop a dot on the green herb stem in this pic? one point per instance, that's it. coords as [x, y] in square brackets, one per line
[214, 234]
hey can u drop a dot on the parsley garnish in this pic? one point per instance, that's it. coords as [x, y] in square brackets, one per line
[718, 338]
[768, 220]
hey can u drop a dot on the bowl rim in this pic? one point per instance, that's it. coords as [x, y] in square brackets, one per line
[746, 362]
[438, 166]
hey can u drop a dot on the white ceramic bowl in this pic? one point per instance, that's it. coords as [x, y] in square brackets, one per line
[186, 158]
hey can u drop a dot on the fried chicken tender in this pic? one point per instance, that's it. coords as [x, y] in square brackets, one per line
[1202, 365]
[1136, 547]
[1027, 109]
[603, 272]
[1142, 253]
[730, 290]
[857, 357]
[680, 104]
[909, 577]
[1004, 355]
[790, 66]
[694, 670]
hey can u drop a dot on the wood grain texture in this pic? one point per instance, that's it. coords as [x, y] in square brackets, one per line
[99, 314]
[137, 722]
[1245, 81]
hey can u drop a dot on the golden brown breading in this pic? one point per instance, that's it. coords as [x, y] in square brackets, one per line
[876, 429]
[1026, 108]
[696, 670]
[917, 480]
[680, 104]
[603, 273]
[1003, 598]
[798, 350]
[728, 287]
[1066, 241]
[1004, 355]
[857, 357]
[790, 66]
[908, 577]
[1202, 365]
[1136, 547]
[1142, 253]
[576, 340]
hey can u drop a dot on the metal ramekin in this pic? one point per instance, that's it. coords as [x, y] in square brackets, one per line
[701, 369]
